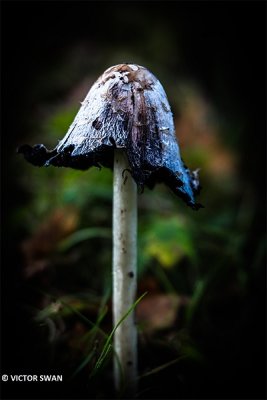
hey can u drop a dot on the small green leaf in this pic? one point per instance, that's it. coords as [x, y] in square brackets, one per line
[84, 234]
[169, 240]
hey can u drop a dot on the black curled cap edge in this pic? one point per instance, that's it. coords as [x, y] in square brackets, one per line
[126, 108]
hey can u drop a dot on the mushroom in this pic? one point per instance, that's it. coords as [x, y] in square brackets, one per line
[125, 123]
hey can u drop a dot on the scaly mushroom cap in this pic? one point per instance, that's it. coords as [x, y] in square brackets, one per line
[125, 108]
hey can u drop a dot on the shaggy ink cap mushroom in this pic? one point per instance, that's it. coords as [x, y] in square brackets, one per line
[126, 108]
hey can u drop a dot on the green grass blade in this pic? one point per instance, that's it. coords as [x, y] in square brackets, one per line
[162, 367]
[93, 332]
[107, 347]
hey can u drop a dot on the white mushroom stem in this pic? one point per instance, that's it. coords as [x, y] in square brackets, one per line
[124, 273]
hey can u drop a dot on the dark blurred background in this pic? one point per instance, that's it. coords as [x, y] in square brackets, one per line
[202, 324]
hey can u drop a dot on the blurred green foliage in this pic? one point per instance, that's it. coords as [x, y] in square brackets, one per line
[210, 262]
[192, 254]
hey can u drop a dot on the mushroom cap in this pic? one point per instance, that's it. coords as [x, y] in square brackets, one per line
[126, 108]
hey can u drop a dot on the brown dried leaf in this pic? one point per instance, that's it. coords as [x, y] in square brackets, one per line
[159, 311]
[199, 131]
[45, 239]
